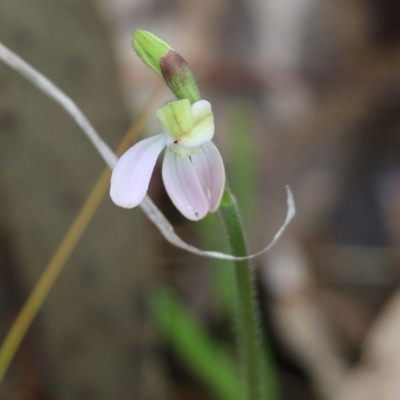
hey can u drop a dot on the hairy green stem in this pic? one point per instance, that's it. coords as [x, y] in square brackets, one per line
[249, 340]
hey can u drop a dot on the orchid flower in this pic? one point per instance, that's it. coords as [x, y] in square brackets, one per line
[192, 170]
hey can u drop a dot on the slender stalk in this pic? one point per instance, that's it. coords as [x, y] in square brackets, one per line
[52, 271]
[35, 300]
[249, 341]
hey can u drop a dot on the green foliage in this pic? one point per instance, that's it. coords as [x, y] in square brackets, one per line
[190, 341]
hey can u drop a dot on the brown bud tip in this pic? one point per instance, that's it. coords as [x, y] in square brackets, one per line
[178, 77]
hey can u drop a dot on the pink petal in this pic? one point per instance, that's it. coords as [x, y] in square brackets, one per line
[209, 168]
[131, 176]
[183, 187]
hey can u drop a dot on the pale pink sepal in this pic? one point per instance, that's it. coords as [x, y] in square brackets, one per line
[131, 176]
[183, 186]
[209, 168]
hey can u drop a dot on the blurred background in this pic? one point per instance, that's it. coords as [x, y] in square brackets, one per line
[305, 93]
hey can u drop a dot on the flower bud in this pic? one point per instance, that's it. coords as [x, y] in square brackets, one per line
[178, 77]
[150, 48]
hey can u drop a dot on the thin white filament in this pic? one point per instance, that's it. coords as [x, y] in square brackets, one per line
[148, 207]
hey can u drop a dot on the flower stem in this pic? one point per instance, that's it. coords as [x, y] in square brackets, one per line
[249, 340]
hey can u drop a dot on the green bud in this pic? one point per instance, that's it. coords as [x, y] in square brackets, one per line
[150, 48]
[178, 77]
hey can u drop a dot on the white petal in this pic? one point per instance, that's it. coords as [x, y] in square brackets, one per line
[209, 168]
[183, 187]
[203, 128]
[131, 176]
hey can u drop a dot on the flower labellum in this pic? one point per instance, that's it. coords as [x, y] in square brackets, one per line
[192, 170]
